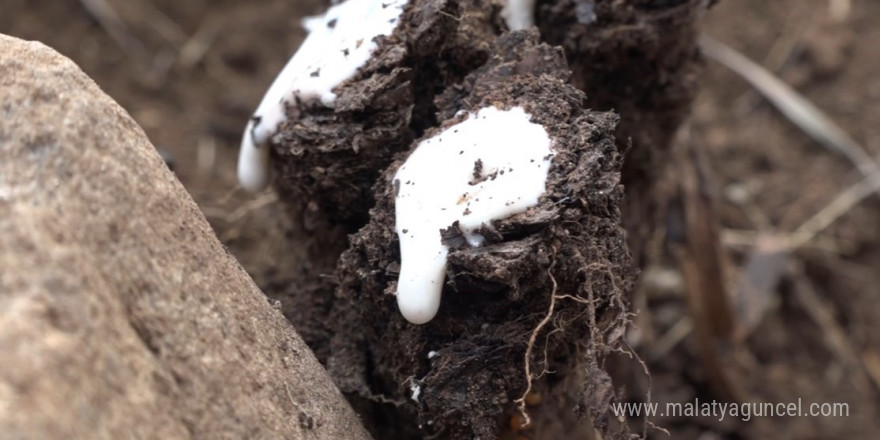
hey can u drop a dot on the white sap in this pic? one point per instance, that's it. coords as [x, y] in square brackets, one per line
[437, 186]
[518, 14]
[339, 43]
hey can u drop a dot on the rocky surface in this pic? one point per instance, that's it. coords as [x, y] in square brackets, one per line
[121, 314]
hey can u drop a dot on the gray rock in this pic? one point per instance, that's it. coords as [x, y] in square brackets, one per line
[121, 314]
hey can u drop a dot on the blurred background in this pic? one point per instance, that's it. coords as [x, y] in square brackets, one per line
[800, 237]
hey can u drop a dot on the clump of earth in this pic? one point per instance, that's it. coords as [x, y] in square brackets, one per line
[536, 308]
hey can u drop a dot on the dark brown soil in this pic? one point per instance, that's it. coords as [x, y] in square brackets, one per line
[636, 57]
[328, 160]
[639, 59]
[496, 295]
[195, 109]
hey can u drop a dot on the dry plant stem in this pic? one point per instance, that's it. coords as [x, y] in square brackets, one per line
[822, 313]
[702, 241]
[839, 10]
[194, 49]
[164, 26]
[117, 29]
[701, 259]
[775, 60]
[807, 231]
[671, 338]
[844, 202]
[781, 50]
[794, 106]
[871, 361]
[739, 238]
[267, 198]
[767, 263]
[818, 126]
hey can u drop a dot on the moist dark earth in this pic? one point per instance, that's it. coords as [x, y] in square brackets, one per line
[332, 158]
[191, 72]
[572, 244]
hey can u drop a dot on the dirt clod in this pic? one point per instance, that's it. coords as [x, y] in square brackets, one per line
[497, 294]
[332, 156]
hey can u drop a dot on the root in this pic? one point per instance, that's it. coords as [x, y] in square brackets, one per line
[521, 402]
[596, 339]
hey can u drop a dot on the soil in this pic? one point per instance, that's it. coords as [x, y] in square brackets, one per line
[572, 244]
[638, 58]
[192, 72]
[770, 176]
[327, 161]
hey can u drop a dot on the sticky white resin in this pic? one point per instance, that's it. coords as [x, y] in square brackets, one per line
[519, 14]
[339, 43]
[437, 187]
[416, 392]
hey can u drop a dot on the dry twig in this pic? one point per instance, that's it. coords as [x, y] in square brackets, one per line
[117, 29]
[822, 312]
[267, 198]
[839, 10]
[841, 204]
[193, 51]
[795, 107]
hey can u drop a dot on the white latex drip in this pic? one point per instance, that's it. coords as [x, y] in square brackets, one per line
[339, 43]
[437, 186]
